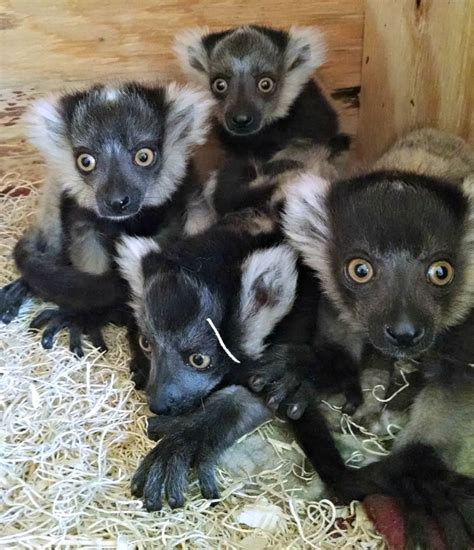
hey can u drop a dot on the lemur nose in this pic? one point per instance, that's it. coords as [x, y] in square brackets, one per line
[242, 120]
[404, 333]
[118, 205]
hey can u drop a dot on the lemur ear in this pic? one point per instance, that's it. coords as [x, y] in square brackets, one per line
[306, 50]
[46, 128]
[267, 294]
[306, 219]
[187, 121]
[192, 54]
[130, 253]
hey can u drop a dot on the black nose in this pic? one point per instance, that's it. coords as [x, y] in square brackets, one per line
[242, 120]
[118, 205]
[404, 334]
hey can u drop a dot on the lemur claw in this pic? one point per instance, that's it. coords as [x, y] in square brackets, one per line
[12, 297]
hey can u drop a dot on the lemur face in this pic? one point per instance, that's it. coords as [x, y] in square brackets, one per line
[119, 149]
[172, 306]
[254, 73]
[391, 252]
[187, 362]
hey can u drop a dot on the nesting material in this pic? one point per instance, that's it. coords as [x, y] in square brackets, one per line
[72, 432]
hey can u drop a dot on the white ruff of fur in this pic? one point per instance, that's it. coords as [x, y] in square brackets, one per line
[307, 43]
[188, 45]
[130, 253]
[464, 301]
[186, 126]
[274, 272]
[308, 227]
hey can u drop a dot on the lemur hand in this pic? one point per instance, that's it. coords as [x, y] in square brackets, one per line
[12, 297]
[195, 440]
[291, 375]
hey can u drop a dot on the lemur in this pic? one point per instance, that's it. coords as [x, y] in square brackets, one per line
[394, 250]
[266, 100]
[233, 282]
[118, 161]
[177, 288]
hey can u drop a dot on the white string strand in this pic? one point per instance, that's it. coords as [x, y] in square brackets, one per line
[221, 341]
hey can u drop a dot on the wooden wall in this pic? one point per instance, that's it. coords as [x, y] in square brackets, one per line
[417, 70]
[51, 44]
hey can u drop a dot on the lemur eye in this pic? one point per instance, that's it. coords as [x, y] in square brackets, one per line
[85, 162]
[144, 157]
[266, 85]
[144, 344]
[199, 361]
[219, 86]
[440, 273]
[360, 270]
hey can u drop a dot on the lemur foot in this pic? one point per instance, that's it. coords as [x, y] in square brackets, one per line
[77, 323]
[164, 470]
[12, 297]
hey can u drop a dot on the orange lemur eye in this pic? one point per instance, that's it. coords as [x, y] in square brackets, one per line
[199, 361]
[360, 270]
[144, 157]
[266, 85]
[85, 162]
[440, 273]
[144, 344]
[220, 85]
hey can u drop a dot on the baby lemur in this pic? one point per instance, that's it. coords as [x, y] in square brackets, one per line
[394, 251]
[236, 278]
[265, 97]
[118, 162]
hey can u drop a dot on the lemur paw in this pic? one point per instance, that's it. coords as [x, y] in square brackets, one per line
[12, 297]
[164, 470]
[76, 323]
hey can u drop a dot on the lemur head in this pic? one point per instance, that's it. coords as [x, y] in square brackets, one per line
[117, 149]
[394, 250]
[254, 72]
[172, 307]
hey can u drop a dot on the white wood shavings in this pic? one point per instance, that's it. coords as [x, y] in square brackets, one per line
[72, 432]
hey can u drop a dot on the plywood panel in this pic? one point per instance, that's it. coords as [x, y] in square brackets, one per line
[417, 70]
[49, 44]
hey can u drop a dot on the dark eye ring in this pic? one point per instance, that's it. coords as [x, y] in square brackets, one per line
[360, 270]
[266, 85]
[144, 157]
[144, 344]
[85, 162]
[440, 273]
[199, 361]
[220, 85]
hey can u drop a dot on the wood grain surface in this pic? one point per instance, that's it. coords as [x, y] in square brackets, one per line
[49, 45]
[417, 70]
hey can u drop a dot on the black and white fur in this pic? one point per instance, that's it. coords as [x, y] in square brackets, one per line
[66, 256]
[400, 220]
[237, 274]
[294, 114]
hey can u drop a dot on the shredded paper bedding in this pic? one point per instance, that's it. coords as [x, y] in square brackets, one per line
[73, 431]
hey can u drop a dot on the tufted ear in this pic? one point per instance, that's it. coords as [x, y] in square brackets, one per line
[130, 253]
[306, 219]
[46, 129]
[305, 52]
[268, 289]
[192, 54]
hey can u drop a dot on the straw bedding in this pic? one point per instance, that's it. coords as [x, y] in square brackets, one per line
[72, 432]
